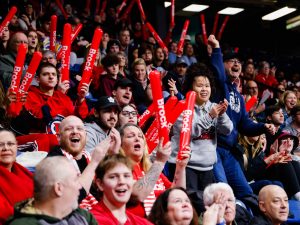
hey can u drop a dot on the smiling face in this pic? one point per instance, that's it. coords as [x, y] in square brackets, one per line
[290, 101]
[233, 68]
[201, 86]
[180, 209]
[140, 72]
[133, 143]
[116, 185]
[72, 135]
[8, 149]
[107, 117]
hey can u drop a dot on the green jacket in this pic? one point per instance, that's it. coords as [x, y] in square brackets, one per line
[25, 213]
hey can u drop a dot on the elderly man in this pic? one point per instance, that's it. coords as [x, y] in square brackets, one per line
[222, 195]
[56, 191]
[7, 61]
[274, 206]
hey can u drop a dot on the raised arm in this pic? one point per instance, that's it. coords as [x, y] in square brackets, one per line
[143, 186]
[98, 154]
[217, 60]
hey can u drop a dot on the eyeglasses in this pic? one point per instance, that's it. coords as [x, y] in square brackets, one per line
[234, 61]
[9, 144]
[127, 113]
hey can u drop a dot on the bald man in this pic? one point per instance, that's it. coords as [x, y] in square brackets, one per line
[274, 206]
[72, 140]
[56, 191]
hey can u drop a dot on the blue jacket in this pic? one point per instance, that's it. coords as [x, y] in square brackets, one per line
[236, 109]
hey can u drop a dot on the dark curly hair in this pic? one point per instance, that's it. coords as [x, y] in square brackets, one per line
[159, 211]
[197, 70]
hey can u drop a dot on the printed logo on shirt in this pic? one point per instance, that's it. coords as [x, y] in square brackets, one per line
[234, 102]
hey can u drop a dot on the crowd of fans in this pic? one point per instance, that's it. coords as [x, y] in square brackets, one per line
[243, 161]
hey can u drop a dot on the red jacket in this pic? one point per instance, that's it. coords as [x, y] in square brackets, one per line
[57, 104]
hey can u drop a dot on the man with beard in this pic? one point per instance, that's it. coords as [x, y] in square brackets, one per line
[72, 140]
[102, 124]
[227, 169]
[56, 191]
[122, 92]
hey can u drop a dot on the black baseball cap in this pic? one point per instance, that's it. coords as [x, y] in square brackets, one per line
[105, 102]
[124, 82]
[230, 55]
[181, 60]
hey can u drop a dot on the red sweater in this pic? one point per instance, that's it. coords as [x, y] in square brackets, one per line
[16, 186]
[59, 104]
[104, 216]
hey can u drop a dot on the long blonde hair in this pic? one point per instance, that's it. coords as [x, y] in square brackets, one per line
[146, 163]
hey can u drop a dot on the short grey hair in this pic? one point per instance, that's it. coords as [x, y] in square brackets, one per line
[212, 189]
[49, 171]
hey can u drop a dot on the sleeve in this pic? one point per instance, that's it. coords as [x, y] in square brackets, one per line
[217, 63]
[247, 126]
[91, 141]
[257, 167]
[81, 109]
[224, 124]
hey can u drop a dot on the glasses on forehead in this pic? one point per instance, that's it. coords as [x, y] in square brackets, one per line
[127, 113]
[234, 61]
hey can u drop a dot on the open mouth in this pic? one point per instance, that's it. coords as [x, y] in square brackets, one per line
[126, 97]
[75, 140]
[235, 69]
[137, 146]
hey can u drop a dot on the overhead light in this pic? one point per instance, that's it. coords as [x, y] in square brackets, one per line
[167, 4]
[293, 22]
[231, 11]
[195, 8]
[278, 13]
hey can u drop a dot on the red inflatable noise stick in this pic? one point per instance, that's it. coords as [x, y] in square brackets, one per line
[152, 133]
[16, 107]
[183, 33]
[53, 32]
[187, 120]
[65, 54]
[8, 18]
[157, 38]
[74, 34]
[90, 58]
[250, 103]
[146, 115]
[158, 101]
[17, 72]
[172, 14]
[143, 16]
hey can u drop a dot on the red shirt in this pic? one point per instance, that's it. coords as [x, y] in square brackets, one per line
[104, 216]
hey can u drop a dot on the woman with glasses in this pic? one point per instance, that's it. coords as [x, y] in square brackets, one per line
[128, 114]
[16, 181]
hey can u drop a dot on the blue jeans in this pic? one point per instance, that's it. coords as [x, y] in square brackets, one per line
[228, 170]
